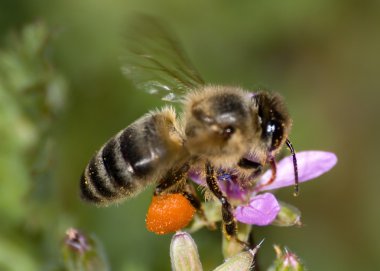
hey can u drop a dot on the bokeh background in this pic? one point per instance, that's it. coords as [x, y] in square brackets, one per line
[322, 56]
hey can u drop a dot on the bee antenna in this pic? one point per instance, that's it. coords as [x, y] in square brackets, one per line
[296, 186]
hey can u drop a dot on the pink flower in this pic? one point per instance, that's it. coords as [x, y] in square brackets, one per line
[262, 209]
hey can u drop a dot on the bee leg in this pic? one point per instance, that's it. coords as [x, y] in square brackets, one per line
[190, 194]
[175, 176]
[251, 165]
[229, 221]
[172, 178]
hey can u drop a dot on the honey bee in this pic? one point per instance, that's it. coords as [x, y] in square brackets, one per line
[219, 127]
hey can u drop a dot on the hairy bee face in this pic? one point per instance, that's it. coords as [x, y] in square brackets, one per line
[219, 123]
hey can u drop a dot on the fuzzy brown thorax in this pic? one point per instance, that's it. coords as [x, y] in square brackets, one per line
[219, 124]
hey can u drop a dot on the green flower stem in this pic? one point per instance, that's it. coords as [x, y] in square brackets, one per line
[231, 247]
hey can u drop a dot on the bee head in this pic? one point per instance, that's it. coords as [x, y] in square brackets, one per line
[273, 118]
[218, 123]
[275, 125]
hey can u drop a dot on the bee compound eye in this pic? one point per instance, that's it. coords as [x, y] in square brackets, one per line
[275, 130]
[271, 128]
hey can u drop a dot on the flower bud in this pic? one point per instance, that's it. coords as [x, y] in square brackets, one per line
[286, 261]
[244, 261]
[81, 252]
[76, 241]
[288, 216]
[184, 253]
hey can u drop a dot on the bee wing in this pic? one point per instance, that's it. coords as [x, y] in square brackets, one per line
[155, 61]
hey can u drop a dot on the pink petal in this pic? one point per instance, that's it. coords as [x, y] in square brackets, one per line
[311, 164]
[261, 210]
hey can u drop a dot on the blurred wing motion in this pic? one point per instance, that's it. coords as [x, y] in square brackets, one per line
[155, 61]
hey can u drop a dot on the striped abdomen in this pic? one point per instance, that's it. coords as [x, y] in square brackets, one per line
[136, 157]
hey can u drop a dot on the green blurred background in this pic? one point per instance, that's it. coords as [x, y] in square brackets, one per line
[322, 56]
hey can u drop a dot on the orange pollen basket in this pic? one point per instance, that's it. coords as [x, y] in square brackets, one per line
[168, 213]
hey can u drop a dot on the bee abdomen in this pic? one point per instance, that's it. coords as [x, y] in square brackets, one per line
[120, 172]
[109, 176]
[128, 162]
